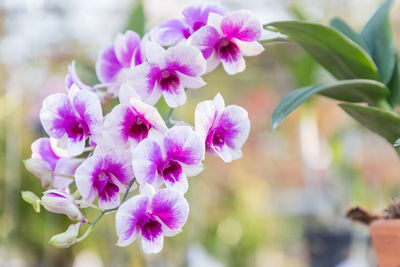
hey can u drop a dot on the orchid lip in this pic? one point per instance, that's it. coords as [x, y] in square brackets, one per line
[168, 80]
[139, 129]
[215, 139]
[227, 49]
[77, 129]
[151, 230]
[170, 170]
[104, 185]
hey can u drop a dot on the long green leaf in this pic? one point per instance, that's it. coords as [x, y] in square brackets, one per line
[344, 28]
[356, 91]
[394, 85]
[137, 19]
[382, 122]
[378, 37]
[338, 54]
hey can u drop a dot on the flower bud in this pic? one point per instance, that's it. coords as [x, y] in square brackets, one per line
[32, 199]
[41, 169]
[68, 238]
[58, 201]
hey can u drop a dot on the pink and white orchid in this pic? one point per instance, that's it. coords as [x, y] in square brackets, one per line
[114, 61]
[227, 39]
[175, 31]
[153, 215]
[131, 121]
[106, 175]
[47, 165]
[224, 129]
[168, 73]
[74, 117]
[170, 159]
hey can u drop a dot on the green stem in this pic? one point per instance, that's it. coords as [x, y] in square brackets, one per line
[168, 120]
[85, 234]
[79, 202]
[114, 209]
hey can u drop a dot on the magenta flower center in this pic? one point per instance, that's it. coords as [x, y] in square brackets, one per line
[104, 185]
[151, 229]
[139, 129]
[168, 80]
[135, 126]
[171, 170]
[216, 139]
[74, 129]
[227, 50]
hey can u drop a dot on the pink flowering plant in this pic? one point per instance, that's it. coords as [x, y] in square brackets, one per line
[137, 164]
[133, 162]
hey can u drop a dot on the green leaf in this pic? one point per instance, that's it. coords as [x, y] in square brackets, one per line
[137, 19]
[355, 91]
[377, 35]
[394, 85]
[344, 28]
[338, 54]
[382, 122]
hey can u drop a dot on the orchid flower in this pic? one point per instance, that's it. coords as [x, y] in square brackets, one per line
[106, 175]
[170, 159]
[114, 61]
[227, 39]
[131, 121]
[224, 129]
[175, 31]
[74, 117]
[47, 165]
[168, 73]
[153, 215]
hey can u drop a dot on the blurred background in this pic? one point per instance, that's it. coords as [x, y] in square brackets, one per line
[282, 204]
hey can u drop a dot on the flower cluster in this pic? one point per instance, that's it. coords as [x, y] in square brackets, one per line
[96, 160]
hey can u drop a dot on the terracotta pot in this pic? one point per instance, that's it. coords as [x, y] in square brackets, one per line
[385, 236]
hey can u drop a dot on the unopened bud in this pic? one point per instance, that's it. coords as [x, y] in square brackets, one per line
[58, 201]
[32, 199]
[68, 238]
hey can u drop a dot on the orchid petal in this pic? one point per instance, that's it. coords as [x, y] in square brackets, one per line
[41, 149]
[185, 59]
[107, 65]
[124, 46]
[205, 39]
[146, 158]
[249, 48]
[170, 32]
[65, 166]
[170, 207]
[191, 82]
[175, 98]
[155, 53]
[183, 144]
[127, 218]
[242, 25]
[84, 177]
[207, 113]
[143, 79]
